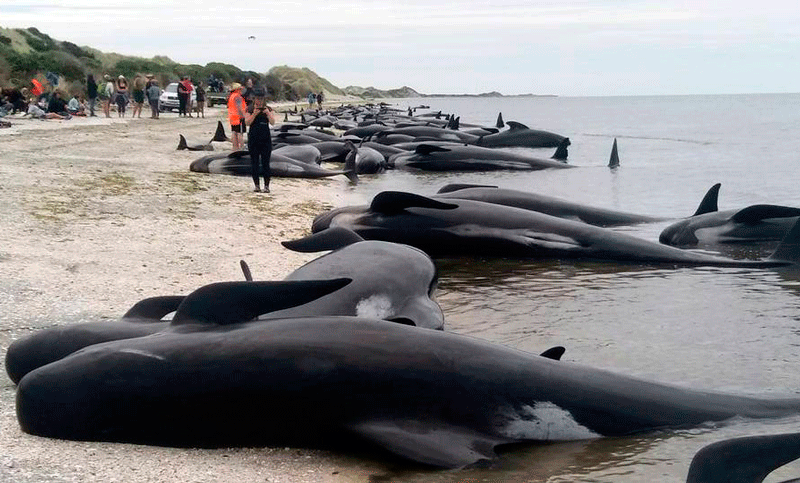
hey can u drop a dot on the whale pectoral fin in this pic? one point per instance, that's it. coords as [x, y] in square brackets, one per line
[429, 443]
[749, 458]
[513, 125]
[554, 353]
[529, 239]
[756, 213]
[449, 188]
[709, 203]
[154, 308]
[789, 248]
[393, 202]
[328, 239]
[227, 303]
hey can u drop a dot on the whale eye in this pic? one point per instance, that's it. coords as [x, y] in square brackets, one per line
[403, 321]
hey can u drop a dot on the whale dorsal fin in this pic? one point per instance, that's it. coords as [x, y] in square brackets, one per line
[514, 125]
[709, 203]
[425, 149]
[743, 460]
[561, 152]
[154, 308]
[554, 353]
[449, 188]
[613, 160]
[499, 122]
[182, 143]
[329, 239]
[227, 303]
[393, 202]
[756, 213]
[220, 135]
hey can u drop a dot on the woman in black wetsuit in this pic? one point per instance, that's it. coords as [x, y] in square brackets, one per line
[259, 138]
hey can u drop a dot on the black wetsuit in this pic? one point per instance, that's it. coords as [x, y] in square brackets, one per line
[259, 143]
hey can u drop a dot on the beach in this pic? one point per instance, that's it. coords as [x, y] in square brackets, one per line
[100, 213]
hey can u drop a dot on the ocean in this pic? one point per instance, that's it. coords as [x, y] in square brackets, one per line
[723, 329]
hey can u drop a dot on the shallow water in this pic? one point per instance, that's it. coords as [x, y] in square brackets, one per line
[728, 329]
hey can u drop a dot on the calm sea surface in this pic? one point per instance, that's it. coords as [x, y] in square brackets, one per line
[725, 329]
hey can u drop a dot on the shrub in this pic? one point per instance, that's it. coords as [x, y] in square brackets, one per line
[75, 50]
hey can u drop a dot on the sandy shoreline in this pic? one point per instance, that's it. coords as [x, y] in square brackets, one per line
[100, 213]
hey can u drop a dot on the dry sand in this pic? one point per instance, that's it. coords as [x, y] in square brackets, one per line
[99, 213]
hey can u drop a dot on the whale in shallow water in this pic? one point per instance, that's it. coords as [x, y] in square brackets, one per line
[549, 205]
[453, 227]
[748, 459]
[520, 135]
[458, 157]
[433, 397]
[708, 225]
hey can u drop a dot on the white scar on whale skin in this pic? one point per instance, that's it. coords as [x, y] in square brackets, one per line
[142, 353]
[377, 306]
[546, 422]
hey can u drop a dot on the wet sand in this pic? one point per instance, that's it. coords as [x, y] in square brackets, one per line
[100, 213]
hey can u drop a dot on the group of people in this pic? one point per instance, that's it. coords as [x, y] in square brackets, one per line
[119, 92]
[318, 98]
[247, 107]
[185, 104]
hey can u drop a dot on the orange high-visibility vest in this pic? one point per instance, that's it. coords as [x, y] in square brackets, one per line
[233, 112]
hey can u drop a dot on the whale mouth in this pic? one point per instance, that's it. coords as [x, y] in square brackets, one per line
[403, 321]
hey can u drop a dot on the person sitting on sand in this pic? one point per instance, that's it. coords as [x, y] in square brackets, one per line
[75, 108]
[57, 104]
[37, 112]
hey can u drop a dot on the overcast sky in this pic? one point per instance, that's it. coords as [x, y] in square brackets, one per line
[594, 47]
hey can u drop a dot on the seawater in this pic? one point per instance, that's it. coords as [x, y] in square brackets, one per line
[725, 329]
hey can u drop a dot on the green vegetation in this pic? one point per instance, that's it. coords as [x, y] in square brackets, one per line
[29, 53]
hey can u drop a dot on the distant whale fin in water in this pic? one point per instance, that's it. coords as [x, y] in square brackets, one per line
[449, 188]
[561, 151]
[554, 353]
[430, 148]
[154, 308]
[744, 460]
[499, 122]
[710, 200]
[463, 446]
[513, 125]
[328, 239]
[393, 202]
[246, 270]
[789, 248]
[227, 303]
[220, 135]
[182, 143]
[756, 213]
[613, 161]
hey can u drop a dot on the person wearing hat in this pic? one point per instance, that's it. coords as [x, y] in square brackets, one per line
[259, 141]
[104, 93]
[122, 95]
[236, 111]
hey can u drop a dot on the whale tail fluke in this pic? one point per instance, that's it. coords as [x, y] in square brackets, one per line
[351, 175]
[743, 460]
[182, 143]
[562, 151]
[219, 134]
[710, 201]
[789, 248]
[613, 161]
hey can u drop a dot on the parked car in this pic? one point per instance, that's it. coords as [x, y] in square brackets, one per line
[169, 98]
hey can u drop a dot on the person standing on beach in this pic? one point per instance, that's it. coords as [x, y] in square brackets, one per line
[236, 112]
[259, 141]
[311, 98]
[104, 92]
[201, 99]
[153, 94]
[138, 96]
[91, 93]
[121, 96]
[320, 98]
[247, 94]
[183, 97]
